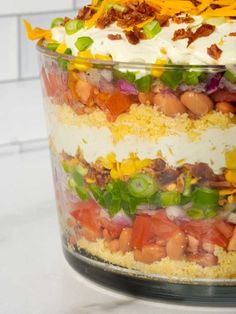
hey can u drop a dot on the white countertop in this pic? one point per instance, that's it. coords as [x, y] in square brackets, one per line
[34, 276]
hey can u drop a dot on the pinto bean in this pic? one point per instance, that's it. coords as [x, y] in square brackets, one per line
[232, 242]
[193, 244]
[198, 103]
[169, 104]
[144, 98]
[113, 246]
[225, 107]
[176, 245]
[150, 254]
[125, 240]
[83, 90]
[203, 259]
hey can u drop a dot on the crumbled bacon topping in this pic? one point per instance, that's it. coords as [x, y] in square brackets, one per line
[183, 19]
[182, 34]
[134, 36]
[135, 14]
[114, 36]
[203, 31]
[85, 13]
[232, 34]
[214, 51]
[162, 19]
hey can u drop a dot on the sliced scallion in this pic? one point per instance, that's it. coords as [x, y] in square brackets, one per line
[151, 29]
[57, 22]
[82, 43]
[73, 26]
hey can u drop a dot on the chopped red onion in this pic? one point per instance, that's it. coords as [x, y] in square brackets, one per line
[105, 86]
[224, 83]
[126, 87]
[122, 219]
[214, 83]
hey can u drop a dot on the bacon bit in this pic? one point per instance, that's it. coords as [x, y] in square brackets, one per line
[85, 13]
[162, 19]
[132, 37]
[182, 34]
[195, 2]
[232, 34]
[214, 51]
[114, 36]
[183, 19]
[203, 31]
[136, 13]
[215, 6]
[66, 19]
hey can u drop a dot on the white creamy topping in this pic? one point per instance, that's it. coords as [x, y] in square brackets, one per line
[176, 149]
[149, 50]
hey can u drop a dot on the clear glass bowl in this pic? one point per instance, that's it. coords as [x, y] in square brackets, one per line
[144, 165]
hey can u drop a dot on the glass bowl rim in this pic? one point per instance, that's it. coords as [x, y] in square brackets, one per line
[128, 65]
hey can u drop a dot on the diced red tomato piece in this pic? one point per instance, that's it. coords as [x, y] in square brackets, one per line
[162, 227]
[113, 230]
[142, 232]
[205, 231]
[87, 213]
[225, 228]
[118, 103]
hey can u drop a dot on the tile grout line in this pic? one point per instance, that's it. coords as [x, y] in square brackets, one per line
[35, 13]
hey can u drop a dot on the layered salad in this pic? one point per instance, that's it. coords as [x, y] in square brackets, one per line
[140, 99]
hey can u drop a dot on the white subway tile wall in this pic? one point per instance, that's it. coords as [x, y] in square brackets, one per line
[18, 60]
[9, 47]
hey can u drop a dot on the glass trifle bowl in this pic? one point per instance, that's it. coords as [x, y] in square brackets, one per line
[144, 154]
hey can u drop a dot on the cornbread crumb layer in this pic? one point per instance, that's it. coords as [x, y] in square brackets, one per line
[226, 268]
[144, 121]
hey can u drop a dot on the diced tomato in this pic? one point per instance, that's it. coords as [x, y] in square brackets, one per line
[113, 230]
[162, 227]
[118, 103]
[205, 231]
[225, 228]
[87, 213]
[142, 233]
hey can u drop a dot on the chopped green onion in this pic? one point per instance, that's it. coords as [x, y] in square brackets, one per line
[151, 29]
[195, 213]
[142, 185]
[57, 22]
[210, 213]
[82, 192]
[187, 186]
[144, 83]
[170, 198]
[116, 7]
[78, 178]
[71, 184]
[115, 205]
[230, 76]
[191, 77]
[82, 43]
[96, 191]
[129, 76]
[52, 46]
[63, 63]
[65, 166]
[68, 51]
[73, 26]
[81, 170]
[205, 198]
[172, 78]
